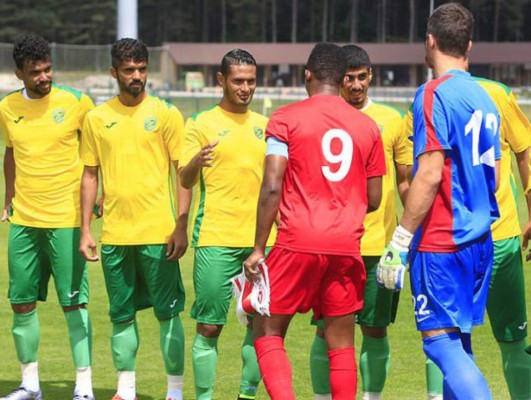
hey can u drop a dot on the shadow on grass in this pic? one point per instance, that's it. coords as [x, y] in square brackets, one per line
[63, 390]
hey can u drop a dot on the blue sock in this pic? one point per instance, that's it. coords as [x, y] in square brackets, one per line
[462, 377]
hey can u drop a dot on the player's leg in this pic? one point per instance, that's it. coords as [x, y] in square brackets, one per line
[71, 282]
[319, 364]
[166, 291]
[341, 295]
[26, 278]
[439, 306]
[213, 269]
[506, 307]
[434, 380]
[118, 264]
[379, 310]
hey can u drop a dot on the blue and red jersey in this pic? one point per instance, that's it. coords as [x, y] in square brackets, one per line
[455, 115]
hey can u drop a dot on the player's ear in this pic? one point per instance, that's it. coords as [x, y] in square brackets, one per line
[370, 75]
[220, 78]
[344, 82]
[113, 72]
[430, 41]
[469, 47]
[19, 74]
[308, 76]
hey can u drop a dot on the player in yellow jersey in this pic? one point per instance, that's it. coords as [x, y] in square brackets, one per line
[380, 305]
[133, 139]
[224, 153]
[506, 305]
[40, 125]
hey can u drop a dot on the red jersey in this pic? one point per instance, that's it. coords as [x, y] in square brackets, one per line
[332, 150]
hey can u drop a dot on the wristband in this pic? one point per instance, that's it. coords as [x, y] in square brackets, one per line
[402, 237]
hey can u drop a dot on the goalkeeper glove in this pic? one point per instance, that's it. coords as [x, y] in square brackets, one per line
[392, 266]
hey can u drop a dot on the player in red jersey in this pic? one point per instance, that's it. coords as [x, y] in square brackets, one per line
[323, 173]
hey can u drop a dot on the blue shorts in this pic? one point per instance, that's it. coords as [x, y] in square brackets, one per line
[450, 289]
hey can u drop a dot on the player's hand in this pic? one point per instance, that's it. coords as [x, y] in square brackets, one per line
[98, 207]
[205, 156]
[87, 247]
[177, 244]
[392, 266]
[250, 265]
[526, 237]
[5, 214]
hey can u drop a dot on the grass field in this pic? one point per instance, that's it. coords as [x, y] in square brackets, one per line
[406, 380]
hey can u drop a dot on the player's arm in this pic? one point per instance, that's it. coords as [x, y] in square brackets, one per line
[374, 193]
[403, 173]
[522, 161]
[178, 242]
[9, 176]
[268, 202]
[89, 191]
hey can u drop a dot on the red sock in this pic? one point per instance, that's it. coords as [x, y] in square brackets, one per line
[275, 367]
[343, 374]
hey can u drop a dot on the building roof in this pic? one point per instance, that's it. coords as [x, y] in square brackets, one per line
[380, 53]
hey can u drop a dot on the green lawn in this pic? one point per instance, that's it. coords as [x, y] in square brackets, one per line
[406, 380]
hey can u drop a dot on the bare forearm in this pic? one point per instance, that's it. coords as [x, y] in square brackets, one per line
[420, 199]
[189, 175]
[266, 215]
[89, 191]
[402, 182]
[184, 197]
[9, 176]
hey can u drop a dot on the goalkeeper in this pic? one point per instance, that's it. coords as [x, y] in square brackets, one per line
[450, 206]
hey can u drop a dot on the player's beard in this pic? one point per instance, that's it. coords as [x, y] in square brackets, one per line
[237, 100]
[135, 88]
[356, 101]
[43, 88]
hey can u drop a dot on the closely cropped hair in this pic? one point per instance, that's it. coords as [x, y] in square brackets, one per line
[31, 48]
[356, 56]
[328, 63]
[128, 49]
[452, 26]
[236, 57]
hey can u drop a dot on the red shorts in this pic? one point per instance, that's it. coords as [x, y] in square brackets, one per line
[331, 285]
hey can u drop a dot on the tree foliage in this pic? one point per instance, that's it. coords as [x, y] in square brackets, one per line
[94, 21]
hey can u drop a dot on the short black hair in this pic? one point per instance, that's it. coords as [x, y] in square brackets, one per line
[128, 49]
[452, 26]
[328, 63]
[356, 56]
[236, 57]
[31, 48]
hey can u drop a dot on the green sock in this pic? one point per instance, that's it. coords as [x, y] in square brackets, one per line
[26, 335]
[374, 363]
[172, 345]
[517, 368]
[204, 361]
[80, 335]
[251, 376]
[124, 345]
[434, 378]
[319, 366]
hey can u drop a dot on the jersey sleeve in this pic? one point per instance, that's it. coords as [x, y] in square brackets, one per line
[192, 142]
[376, 160]
[89, 151]
[277, 126]
[5, 133]
[515, 125]
[85, 105]
[402, 146]
[431, 128]
[173, 132]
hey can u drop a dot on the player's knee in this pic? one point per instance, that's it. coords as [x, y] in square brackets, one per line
[320, 332]
[23, 308]
[73, 308]
[209, 331]
[374, 332]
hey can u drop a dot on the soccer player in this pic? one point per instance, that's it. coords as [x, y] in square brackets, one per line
[506, 304]
[224, 152]
[379, 304]
[40, 125]
[323, 172]
[133, 139]
[450, 206]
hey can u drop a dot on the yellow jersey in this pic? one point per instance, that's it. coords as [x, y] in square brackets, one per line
[225, 205]
[515, 135]
[134, 148]
[380, 224]
[44, 135]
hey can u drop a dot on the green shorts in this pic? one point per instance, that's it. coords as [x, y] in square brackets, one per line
[214, 267]
[35, 254]
[506, 302]
[379, 304]
[139, 277]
